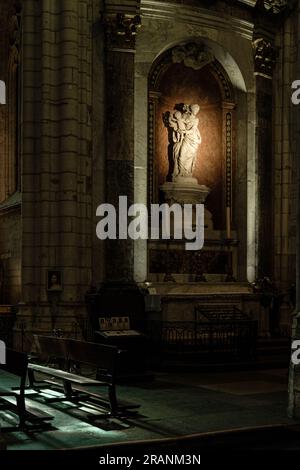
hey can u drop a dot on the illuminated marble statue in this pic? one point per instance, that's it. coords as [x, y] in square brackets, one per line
[186, 139]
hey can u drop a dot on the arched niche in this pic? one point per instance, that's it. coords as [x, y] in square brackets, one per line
[172, 81]
[190, 73]
[235, 63]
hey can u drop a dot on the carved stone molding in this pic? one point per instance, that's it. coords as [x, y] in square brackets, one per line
[185, 192]
[14, 31]
[14, 37]
[161, 65]
[192, 55]
[197, 18]
[121, 30]
[226, 89]
[228, 155]
[264, 57]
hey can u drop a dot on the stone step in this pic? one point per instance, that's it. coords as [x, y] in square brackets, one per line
[175, 366]
[274, 346]
[271, 351]
[218, 444]
[266, 342]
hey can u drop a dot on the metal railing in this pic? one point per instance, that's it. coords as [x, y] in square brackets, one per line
[80, 329]
[232, 340]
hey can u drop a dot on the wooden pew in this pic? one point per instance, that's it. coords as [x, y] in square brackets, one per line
[73, 353]
[103, 357]
[50, 352]
[14, 399]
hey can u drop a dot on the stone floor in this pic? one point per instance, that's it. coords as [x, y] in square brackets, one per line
[172, 405]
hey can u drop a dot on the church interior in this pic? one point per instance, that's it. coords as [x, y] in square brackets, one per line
[121, 340]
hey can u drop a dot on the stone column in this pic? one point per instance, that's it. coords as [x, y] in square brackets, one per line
[119, 294]
[121, 25]
[264, 59]
[56, 161]
[294, 372]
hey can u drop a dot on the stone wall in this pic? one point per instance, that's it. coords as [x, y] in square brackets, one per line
[4, 53]
[10, 256]
[10, 219]
[294, 372]
[57, 154]
[10, 112]
[284, 170]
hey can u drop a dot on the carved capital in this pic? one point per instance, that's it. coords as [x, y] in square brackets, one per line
[121, 30]
[275, 6]
[264, 57]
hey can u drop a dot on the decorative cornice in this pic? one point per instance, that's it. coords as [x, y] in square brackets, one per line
[196, 17]
[14, 37]
[264, 57]
[249, 3]
[121, 30]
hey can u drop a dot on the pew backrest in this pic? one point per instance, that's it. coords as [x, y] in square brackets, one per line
[70, 351]
[102, 356]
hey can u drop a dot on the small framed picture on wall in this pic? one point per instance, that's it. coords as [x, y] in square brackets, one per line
[54, 280]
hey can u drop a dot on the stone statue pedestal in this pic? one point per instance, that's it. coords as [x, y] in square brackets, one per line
[185, 190]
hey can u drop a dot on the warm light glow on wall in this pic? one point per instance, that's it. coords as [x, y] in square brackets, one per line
[181, 84]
